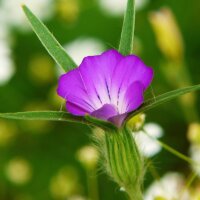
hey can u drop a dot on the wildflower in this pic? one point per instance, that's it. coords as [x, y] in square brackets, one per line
[195, 155]
[118, 7]
[170, 186]
[7, 67]
[148, 146]
[17, 18]
[91, 46]
[107, 86]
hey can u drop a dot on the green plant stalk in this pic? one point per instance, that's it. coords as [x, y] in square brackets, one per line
[189, 182]
[153, 170]
[92, 184]
[124, 162]
[174, 151]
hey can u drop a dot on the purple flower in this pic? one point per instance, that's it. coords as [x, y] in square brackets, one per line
[107, 86]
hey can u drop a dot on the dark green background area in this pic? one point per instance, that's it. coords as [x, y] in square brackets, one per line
[55, 145]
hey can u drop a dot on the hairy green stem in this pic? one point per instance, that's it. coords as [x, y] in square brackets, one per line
[124, 162]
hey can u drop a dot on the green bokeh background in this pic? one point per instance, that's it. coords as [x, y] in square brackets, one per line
[50, 146]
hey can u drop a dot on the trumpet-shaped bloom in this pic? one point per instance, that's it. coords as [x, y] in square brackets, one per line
[106, 86]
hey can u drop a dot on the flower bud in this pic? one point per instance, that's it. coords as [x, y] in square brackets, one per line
[136, 122]
[168, 35]
[194, 133]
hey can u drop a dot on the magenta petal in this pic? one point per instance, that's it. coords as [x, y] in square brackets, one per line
[76, 110]
[129, 70]
[118, 119]
[107, 86]
[71, 88]
[105, 112]
[97, 73]
[132, 69]
[134, 96]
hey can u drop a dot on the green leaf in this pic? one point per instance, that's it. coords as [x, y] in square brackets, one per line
[49, 42]
[58, 116]
[154, 102]
[127, 35]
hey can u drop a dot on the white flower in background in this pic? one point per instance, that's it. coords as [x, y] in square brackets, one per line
[12, 14]
[170, 187]
[148, 146]
[6, 63]
[195, 155]
[81, 47]
[118, 7]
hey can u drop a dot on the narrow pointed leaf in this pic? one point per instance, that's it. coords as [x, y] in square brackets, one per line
[127, 35]
[57, 116]
[49, 42]
[154, 102]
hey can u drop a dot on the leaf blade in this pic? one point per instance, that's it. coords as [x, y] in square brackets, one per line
[127, 35]
[152, 103]
[57, 116]
[49, 42]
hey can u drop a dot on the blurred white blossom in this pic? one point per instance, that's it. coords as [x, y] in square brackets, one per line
[12, 14]
[82, 47]
[169, 187]
[6, 64]
[118, 7]
[195, 155]
[148, 146]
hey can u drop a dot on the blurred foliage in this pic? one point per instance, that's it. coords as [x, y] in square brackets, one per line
[46, 152]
